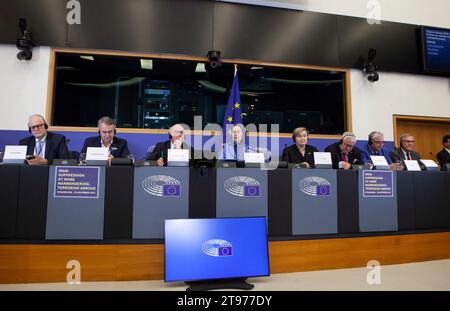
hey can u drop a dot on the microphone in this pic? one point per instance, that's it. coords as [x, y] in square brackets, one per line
[286, 153]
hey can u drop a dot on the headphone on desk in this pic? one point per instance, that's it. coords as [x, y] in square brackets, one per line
[38, 115]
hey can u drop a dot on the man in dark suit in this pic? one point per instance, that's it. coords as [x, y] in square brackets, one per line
[344, 153]
[176, 141]
[45, 146]
[443, 156]
[405, 151]
[107, 139]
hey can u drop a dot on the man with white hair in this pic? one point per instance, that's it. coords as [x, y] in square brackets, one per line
[176, 141]
[375, 147]
[344, 153]
[43, 146]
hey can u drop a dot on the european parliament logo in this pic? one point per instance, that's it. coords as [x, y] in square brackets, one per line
[243, 186]
[217, 248]
[162, 186]
[315, 186]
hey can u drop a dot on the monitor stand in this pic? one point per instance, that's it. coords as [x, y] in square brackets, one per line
[239, 283]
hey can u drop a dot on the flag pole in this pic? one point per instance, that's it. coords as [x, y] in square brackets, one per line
[235, 69]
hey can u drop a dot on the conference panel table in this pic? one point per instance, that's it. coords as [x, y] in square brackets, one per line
[421, 198]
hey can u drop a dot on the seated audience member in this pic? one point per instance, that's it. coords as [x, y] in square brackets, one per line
[300, 151]
[176, 141]
[107, 139]
[344, 153]
[405, 151]
[45, 146]
[443, 156]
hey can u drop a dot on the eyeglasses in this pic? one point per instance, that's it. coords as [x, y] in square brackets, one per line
[409, 141]
[35, 127]
[107, 132]
[348, 145]
[380, 142]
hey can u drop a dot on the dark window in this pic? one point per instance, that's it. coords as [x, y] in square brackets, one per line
[155, 93]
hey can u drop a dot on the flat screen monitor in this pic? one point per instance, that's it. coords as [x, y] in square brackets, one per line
[436, 50]
[219, 248]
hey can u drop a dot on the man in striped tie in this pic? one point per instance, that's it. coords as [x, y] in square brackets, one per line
[43, 146]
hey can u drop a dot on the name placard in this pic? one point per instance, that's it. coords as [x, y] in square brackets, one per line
[322, 159]
[412, 165]
[254, 157]
[379, 161]
[97, 154]
[15, 153]
[429, 163]
[178, 155]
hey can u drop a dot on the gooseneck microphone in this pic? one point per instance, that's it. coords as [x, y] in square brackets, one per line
[286, 151]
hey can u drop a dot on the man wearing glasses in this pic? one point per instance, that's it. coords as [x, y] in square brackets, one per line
[43, 147]
[405, 151]
[375, 147]
[176, 141]
[344, 153]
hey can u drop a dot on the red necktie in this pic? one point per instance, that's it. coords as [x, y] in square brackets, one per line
[344, 157]
[408, 155]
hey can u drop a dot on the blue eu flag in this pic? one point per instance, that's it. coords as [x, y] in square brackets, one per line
[233, 112]
[171, 190]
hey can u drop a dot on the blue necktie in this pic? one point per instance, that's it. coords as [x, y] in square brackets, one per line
[40, 143]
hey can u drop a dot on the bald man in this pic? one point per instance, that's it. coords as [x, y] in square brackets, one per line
[176, 141]
[43, 145]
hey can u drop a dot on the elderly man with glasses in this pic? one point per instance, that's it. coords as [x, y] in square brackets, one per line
[43, 146]
[375, 147]
[344, 153]
[176, 141]
[405, 151]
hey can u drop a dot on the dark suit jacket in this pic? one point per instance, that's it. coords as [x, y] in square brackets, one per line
[160, 151]
[118, 149]
[55, 146]
[397, 155]
[291, 154]
[443, 157]
[353, 157]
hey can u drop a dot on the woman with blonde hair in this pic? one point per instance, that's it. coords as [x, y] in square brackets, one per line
[300, 151]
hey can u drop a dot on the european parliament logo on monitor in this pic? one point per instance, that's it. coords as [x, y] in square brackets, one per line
[162, 186]
[243, 186]
[315, 186]
[217, 248]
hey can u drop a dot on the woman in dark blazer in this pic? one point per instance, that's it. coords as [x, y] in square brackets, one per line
[300, 151]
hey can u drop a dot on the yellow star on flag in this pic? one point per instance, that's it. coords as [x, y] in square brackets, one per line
[230, 119]
[236, 105]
